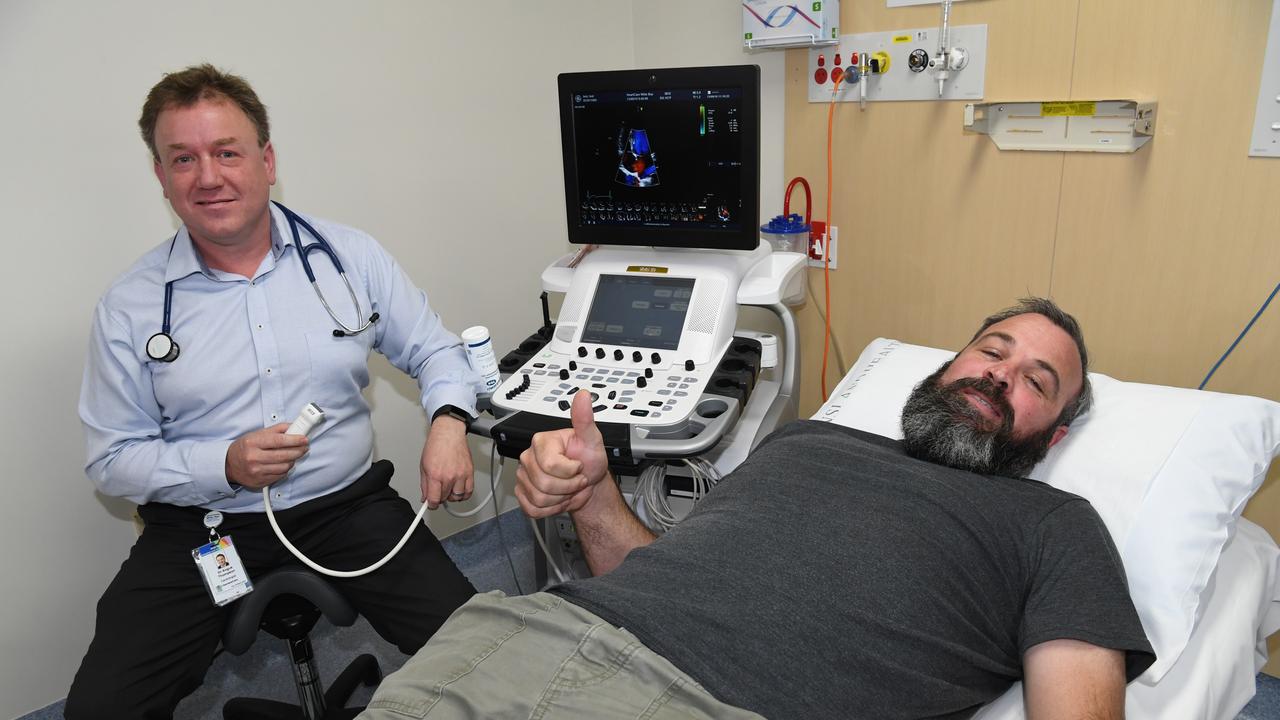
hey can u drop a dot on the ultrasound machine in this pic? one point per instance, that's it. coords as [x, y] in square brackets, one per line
[661, 171]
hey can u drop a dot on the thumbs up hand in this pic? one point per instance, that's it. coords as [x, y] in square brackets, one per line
[560, 470]
[586, 445]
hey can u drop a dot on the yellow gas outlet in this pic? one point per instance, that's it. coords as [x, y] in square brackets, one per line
[882, 60]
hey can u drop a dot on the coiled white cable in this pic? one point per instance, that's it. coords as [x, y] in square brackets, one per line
[417, 520]
[651, 492]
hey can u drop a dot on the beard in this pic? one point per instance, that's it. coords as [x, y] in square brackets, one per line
[940, 426]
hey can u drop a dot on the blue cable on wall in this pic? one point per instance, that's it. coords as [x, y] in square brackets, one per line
[1239, 337]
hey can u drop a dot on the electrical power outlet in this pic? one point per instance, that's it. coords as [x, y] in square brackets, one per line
[564, 527]
[816, 246]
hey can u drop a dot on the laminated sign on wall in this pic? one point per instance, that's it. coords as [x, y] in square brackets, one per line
[769, 24]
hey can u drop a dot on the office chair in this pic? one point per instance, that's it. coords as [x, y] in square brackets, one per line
[287, 603]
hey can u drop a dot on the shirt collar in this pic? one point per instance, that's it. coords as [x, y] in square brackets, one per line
[281, 236]
[184, 260]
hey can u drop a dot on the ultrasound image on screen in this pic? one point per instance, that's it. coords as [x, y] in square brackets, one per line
[636, 311]
[659, 158]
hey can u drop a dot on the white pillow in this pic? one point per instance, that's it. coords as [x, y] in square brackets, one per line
[1168, 469]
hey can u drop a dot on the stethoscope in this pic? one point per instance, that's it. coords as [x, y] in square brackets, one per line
[161, 347]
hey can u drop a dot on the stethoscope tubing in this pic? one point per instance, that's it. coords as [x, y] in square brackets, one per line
[304, 251]
[323, 246]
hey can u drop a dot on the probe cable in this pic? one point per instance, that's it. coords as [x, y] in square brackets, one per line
[650, 492]
[494, 482]
[551, 562]
[417, 520]
[271, 517]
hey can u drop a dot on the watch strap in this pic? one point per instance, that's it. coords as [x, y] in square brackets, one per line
[455, 412]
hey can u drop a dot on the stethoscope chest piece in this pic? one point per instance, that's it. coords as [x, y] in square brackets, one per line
[162, 348]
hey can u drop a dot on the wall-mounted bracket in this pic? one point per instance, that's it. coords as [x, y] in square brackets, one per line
[1117, 126]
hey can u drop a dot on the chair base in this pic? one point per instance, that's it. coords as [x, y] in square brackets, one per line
[363, 670]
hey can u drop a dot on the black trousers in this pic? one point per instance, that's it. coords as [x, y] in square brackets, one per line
[157, 630]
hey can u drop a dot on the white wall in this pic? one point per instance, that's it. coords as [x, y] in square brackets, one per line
[679, 33]
[432, 125]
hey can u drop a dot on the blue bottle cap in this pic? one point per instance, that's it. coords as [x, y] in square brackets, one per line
[785, 225]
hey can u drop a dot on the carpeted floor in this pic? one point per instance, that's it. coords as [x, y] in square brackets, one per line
[1266, 704]
[264, 670]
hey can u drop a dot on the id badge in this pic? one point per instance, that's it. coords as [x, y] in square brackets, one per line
[225, 577]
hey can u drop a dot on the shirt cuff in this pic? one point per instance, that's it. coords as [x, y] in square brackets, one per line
[457, 396]
[208, 465]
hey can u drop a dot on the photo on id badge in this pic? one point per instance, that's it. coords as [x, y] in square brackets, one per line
[224, 575]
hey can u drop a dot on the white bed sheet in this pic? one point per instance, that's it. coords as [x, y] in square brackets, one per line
[1214, 678]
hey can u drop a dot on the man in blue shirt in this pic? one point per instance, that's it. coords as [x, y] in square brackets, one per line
[201, 354]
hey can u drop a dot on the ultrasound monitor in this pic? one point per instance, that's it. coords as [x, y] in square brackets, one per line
[664, 158]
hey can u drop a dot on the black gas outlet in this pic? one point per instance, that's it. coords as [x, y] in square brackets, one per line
[918, 60]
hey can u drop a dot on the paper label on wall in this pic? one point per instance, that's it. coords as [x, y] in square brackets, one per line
[1068, 109]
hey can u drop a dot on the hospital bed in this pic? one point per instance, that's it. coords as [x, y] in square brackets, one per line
[1169, 470]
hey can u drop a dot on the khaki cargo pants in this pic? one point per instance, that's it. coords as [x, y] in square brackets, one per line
[543, 658]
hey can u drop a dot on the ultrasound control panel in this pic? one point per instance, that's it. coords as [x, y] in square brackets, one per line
[634, 386]
[642, 331]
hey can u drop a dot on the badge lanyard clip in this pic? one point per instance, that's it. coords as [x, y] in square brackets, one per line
[212, 520]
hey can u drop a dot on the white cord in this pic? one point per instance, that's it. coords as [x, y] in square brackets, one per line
[271, 517]
[417, 520]
[494, 481]
[651, 492]
[551, 563]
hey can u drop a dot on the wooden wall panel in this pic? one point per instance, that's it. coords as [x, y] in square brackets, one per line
[936, 228]
[1166, 254]
[1166, 259]
[1163, 254]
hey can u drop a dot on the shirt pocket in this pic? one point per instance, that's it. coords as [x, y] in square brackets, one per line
[339, 367]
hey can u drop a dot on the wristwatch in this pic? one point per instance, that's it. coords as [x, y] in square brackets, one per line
[456, 412]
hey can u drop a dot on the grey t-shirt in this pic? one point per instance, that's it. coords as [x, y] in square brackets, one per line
[832, 576]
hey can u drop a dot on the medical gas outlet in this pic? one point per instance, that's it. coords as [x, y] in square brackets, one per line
[879, 62]
[918, 60]
[839, 73]
[915, 64]
[860, 64]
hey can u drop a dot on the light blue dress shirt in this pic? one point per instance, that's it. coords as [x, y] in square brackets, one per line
[253, 353]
